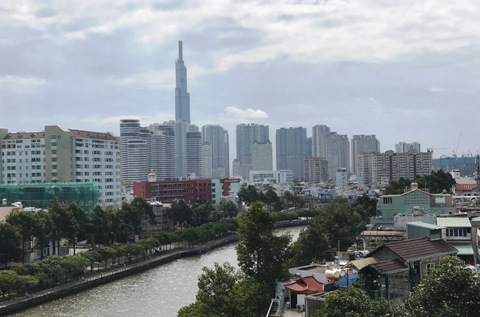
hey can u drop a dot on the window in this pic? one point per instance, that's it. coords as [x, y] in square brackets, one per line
[387, 200]
[429, 267]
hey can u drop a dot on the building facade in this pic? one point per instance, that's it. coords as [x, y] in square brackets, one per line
[291, 146]
[316, 170]
[61, 155]
[381, 168]
[362, 144]
[262, 158]
[247, 135]
[217, 137]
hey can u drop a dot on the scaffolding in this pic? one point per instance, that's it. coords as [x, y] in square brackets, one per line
[84, 195]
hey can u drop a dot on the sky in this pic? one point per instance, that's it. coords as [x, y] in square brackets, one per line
[402, 70]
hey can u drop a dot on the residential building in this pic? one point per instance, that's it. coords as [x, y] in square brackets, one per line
[404, 147]
[393, 269]
[271, 177]
[194, 153]
[134, 151]
[381, 168]
[247, 135]
[262, 159]
[457, 230]
[61, 155]
[362, 144]
[411, 202]
[341, 178]
[162, 155]
[291, 146]
[217, 137]
[316, 170]
[332, 146]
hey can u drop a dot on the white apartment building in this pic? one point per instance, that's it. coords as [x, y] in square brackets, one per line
[63, 155]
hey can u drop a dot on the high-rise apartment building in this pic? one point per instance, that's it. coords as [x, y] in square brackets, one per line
[247, 134]
[194, 154]
[316, 170]
[217, 137]
[135, 150]
[162, 155]
[332, 146]
[291, 145]
[61, 155]
[262, 159]
[319, 143]
[404, 147]
[380, 168]
[363, 144]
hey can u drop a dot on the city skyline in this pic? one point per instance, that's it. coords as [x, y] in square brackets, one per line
[282, 64]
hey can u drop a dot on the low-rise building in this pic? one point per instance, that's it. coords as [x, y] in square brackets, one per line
[407, 203]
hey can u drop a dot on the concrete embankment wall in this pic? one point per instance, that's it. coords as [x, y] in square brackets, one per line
[15, 305]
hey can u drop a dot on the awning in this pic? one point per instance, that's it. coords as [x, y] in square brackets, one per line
[464, 248]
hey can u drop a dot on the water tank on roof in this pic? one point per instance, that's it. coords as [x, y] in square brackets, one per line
[332, 274]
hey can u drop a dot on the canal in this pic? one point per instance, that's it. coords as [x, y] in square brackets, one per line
[161, 291]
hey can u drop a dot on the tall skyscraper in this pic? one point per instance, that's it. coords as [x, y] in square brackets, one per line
[194, 153]
[332, 146]
[163, 150]
[262, 159]
[182, 114]
[182, 97]
[363, 144]
[134, 151]
[247, 134]
[291, 145]
[319, 145]
[217, 137]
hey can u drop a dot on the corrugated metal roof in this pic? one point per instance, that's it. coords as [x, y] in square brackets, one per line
[422, 224]
[464, 248]
[361, 263]
[454, 222]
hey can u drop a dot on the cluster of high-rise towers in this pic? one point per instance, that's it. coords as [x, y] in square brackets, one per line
[178, 149]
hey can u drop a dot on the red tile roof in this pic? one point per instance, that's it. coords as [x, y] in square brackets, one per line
[305, 285]
[408, 250]
[25, 135]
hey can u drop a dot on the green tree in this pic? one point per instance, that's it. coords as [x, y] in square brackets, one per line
[228, 208]
[64, 222]
[262, 255]
[437, 182]
[181, 213]
[9, 244]
[448, 290]
[353, 302]
[100, 226]
[248, 194]
[24, 223]
[43, 229]
[398, 187]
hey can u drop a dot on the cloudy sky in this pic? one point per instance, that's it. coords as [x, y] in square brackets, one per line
[402, 70]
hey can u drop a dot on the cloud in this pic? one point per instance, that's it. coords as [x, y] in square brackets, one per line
[247, 114]
[20, 84]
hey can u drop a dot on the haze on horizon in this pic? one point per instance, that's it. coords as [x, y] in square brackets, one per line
[404, 71]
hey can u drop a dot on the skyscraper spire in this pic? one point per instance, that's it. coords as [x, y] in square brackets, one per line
[180, 51]
[182, 97]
